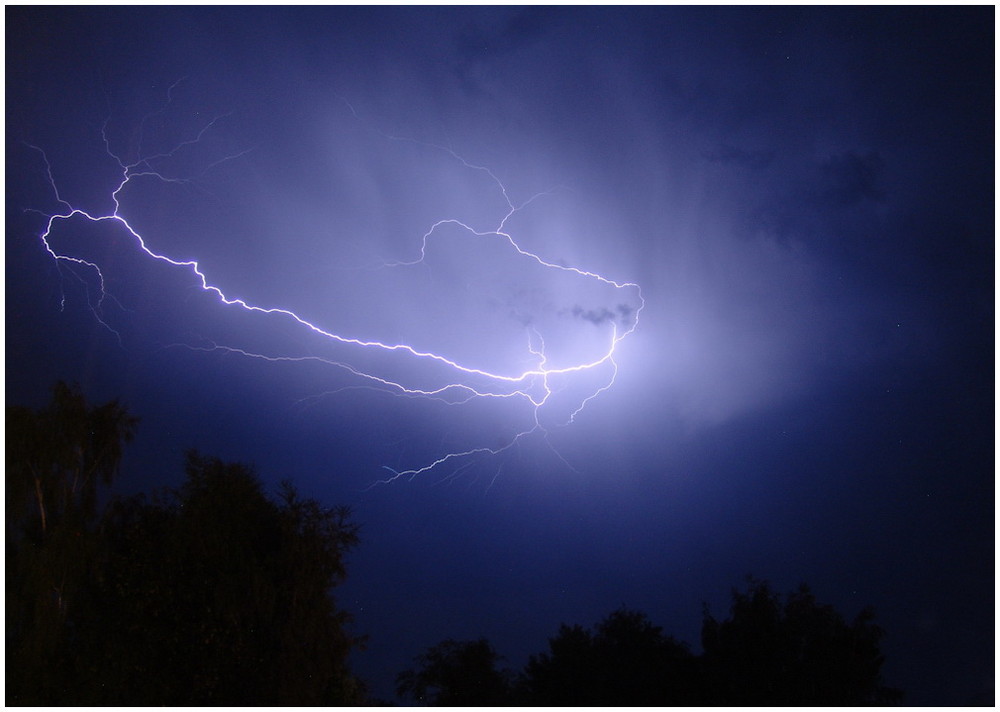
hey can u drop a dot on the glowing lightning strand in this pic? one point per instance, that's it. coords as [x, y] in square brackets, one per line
[143, 167]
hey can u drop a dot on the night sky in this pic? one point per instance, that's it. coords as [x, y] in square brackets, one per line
[782, 224]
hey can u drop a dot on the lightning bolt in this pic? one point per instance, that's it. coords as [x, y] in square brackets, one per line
[535, 385]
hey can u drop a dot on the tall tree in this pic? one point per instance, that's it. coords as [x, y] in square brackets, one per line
[219, 594]
[56, 457]
[213, 593]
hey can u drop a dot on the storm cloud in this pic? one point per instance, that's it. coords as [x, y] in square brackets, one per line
[799, 199]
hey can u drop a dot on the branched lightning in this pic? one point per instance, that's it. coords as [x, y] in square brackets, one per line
[534, 385]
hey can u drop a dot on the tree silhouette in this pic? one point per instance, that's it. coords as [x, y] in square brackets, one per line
[55, 459]
[212, 593]
[456, 673]
[226, 593]
[626, 661]
[796, 653]
[768, 652]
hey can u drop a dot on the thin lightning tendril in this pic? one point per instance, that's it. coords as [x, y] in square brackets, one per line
[533, 384]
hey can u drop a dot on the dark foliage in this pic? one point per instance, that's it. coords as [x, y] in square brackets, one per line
[456, 674]
[768, 653]
[797, 653]
[213, 593]
[56, 458]
[625, 661]
[226, 592]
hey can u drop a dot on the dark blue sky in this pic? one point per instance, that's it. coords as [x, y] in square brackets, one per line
[804, 196]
